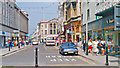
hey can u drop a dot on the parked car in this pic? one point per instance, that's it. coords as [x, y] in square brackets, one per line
[34, 42]
[68, 48]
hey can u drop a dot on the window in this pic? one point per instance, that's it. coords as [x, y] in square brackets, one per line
[50, 25]
[45, 31]
[81, 18]
[45, 25]
[88, 14]
[50, 31]
[54, 26]
[54, 32]
[41, 31]
[41, 25]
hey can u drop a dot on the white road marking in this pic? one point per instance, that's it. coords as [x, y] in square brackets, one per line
[54, 59]
[73, 60]
[53, 56]
[47, 56]
[59, 56]
[66, 59]
[60, 60]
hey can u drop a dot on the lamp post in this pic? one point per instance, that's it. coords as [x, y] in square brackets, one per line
[86, 38]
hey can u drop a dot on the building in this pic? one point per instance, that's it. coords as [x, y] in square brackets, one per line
[101, 20]
[72, 20]
[48, 28]
[14, 22]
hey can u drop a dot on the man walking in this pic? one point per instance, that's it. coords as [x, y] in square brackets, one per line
[84, 44]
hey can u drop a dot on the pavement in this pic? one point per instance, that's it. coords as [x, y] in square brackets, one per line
[101, 60]
[5, 51]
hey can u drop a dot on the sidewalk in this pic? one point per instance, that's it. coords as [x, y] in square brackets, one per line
[5, 51]
[113, 61]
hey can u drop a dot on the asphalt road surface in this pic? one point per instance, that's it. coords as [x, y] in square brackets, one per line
[48, 56]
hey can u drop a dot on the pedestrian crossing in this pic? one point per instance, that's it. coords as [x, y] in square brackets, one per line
[61, 58]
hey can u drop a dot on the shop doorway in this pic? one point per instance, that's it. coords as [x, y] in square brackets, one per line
[119, 39]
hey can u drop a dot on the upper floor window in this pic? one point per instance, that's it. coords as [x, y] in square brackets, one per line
[81, 18]
[45, 25]
[88, 14]
[54, 31]
[54, 25]
[51, 25]
[45, 31]
[50, 31]
[42, 26]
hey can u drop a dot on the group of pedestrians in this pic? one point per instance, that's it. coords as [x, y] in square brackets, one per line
[96, 46]
[13, 43]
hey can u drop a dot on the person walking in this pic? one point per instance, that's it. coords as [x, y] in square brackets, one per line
[11, 44]
[84, 44]
[95, 45]
[21, 42]
[103, 46]
[90, 46]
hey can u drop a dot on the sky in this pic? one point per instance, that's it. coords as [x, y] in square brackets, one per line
[38, 11]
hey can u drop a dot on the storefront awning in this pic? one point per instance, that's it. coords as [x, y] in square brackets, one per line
[105, 12]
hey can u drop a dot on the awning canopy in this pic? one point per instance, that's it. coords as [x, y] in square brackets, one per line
[108, 11]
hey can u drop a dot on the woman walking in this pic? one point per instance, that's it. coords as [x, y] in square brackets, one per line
[103, 46]
[90, 46]
[95, 49]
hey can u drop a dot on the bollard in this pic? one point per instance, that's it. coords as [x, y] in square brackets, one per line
[36, 57]
[106, 56]
[9, 47]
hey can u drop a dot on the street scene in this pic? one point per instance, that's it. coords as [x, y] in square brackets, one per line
[68, 33]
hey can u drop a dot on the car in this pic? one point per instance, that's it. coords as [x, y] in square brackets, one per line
[34, 42]
[68, 48]
[50, 42]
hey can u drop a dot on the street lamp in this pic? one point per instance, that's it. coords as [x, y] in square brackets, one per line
[86, 38]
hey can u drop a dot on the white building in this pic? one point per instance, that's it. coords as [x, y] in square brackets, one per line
[13, 21]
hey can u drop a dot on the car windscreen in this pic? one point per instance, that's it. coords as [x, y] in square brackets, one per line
[68, 45]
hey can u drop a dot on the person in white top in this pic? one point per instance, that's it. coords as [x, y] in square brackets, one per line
[95, 49]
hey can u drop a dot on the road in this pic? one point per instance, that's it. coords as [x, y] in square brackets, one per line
[48, 56]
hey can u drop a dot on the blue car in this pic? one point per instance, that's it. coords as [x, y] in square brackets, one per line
[68, 48]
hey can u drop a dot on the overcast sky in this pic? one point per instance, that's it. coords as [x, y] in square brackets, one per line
[38, 11]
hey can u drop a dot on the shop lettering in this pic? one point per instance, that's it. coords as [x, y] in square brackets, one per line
[110, 21]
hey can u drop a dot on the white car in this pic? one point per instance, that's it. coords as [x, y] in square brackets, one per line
[35, 43]
[50, 42]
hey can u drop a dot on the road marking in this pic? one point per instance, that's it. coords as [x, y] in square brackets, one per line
[56, 47]
[59, 56]
[53, 56]
[47, 56]
[60, 59]
[67, 60]
[85, 60]
[73, 60]
[16, 51]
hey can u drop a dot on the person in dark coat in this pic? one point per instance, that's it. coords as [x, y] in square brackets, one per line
[84, 44]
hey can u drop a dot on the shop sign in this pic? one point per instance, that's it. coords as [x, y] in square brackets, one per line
[110, 21]
[15, 31]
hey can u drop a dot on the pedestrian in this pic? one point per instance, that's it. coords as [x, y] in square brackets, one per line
[30, 42]
[90, 46]
[13, 43]
[103, 46]
[21, 42]
[95, 45]
[84, 44]
[16, 43]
